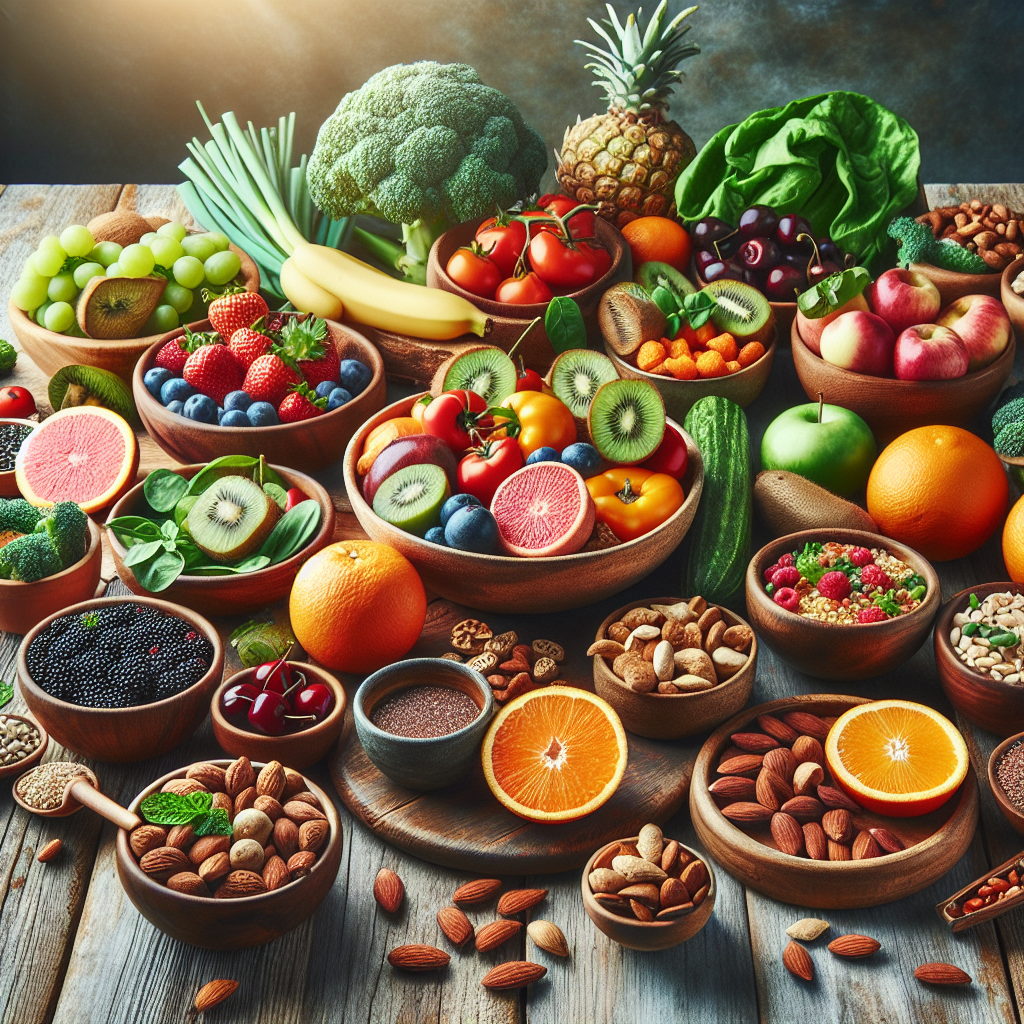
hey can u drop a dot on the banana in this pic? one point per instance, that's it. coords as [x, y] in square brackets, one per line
[306, 296]
[380, 301]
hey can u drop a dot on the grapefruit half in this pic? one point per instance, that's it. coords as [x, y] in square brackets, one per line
[87, 455]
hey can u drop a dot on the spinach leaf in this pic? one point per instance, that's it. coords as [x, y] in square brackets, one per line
[279, 494]
[142, 552]
[253, 562]
[698, 307]
[293, 531]
[163, 488]
[564, 325]
[156, 574]
[226, 465]
[129, 528]
[6, 693]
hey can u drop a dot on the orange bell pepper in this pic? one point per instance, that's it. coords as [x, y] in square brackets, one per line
[633, 501]
[544, 422]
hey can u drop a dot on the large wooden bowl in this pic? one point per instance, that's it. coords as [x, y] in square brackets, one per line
[1013, 814]
[50, 351]
[827, 650]
[668, 716]
[891, 407]
[228, 595]
[308, 445]
[503, 583]
[236, 923]
[935, 841]
[953, 285]
[8, 479]
[22, 605]
[1013, 302]
[995, 706]
[123, 734]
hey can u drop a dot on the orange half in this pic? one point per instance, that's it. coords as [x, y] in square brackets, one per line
[555, 754]
[896, 757]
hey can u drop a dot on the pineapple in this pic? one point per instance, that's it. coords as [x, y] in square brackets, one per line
[627, 159]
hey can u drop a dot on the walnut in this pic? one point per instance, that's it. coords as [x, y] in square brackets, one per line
[545, 670]
[602, 537]
[692, 636]
[549, 649]
[470, 635]
[484, 663]
[502, 644]
[641, 677]
[641, 617]
[618, 631]
[451, 656]
[623, 661]
[674, 632]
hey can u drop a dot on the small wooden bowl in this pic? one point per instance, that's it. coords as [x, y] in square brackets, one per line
[995, 706]
[35, 757]
[50, 351]
[668, 716]
[679, 396]
[935, 841]
[228, 595]
[22, 605]
[953, 285]
[506, 584]
[8, 480]
[648, 935]
[308, 445]
[297, 750]
[827, 650]
[123, 734]
[1013, 302]
[1011, 812]
[230, 924]
[891, 407]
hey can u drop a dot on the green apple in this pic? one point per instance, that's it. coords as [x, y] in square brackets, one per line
[824, 443]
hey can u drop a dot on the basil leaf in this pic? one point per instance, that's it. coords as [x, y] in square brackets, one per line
[169, 529]
[226, 465]
[159, 573]
[564, 325]
[6, 693]
[213, 823]
[278, 493]
[163, 488]
[141, 552]
[252, 563]
[167, 809]
[293, 531]
[834, 291]
[698, 307]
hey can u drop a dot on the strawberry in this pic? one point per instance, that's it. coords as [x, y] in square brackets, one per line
[213, 370]
[301, 404]
[269, 378]
[174, 354]
[249, 343]
[231, 312]
[310, 345]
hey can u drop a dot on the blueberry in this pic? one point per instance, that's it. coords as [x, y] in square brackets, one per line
[584, 458]
[435, 535]
[155, 379]
[543, 455]
[354, 376]
[177, 389]
[220, 414]
[325, 387]
[201, 408]
[337, 398]
[234, 418]
[176, 407]
[262, 414]
[472, 529]
[239, 400]
[454, 503]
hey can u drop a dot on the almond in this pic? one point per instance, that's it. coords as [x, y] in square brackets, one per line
[649, 843]
[49, 851]
[214, 867]
[777, 728]
[611, 902]
[548, 936]
[798, 961]
[865, 847]
[837, 851]
[455, 925]
[480, 890]
[695, 876]
[286, 837]
[299, 864]
[641, 911]
[646, 893]
[746, 813]
[245, 800]
[514, 974]
[188, 882]
[305, 797]
[673, 893]
[613, 850]
[772, 790]
[854, 946]
[636, 869]
[164, 861]
[270, 781]
[517, 900]
[207, 846]
[701, 895]
[754, 742]
[293, 783]
[807, 724]
[146, 838]
[741, 764]
[210, 775]
[807, 777]
[181, 836]
[669, 855]
[781, 761]
[808, 929]
[807, 748]
[418, 957]
[733, 787]
[388, 889]
[838, 825]
[270, 806]
[182, 787]
[238, 775]
[495, 934]
[942, 974]
[815, 841]
[213, 993]
[606, 880]
[788, 835]
[804, 808]
[275, 873]
[300, 811]
[832, 797]
[221, 801]
[313, 835]
[888, 841]
[672, 912]
[238, 884]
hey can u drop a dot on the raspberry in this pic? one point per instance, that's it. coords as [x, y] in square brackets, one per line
[834, 585]
[787, 598]
[786, 576]
[873, 576]
[872, 614]
[786, 560]
[770, 572]
[861, 556]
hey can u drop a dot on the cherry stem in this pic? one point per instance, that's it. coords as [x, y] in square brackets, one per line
[299, 718]
[529, 327]
[718, 252]
[817, 255]
[298, 682]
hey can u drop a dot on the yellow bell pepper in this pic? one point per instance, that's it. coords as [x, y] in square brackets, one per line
[544, 421]
[632, 501]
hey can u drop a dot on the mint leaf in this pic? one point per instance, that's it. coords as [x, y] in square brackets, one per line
[168, 809]
[697, 307]
[6, 693]
[808, 565]
[214, 823]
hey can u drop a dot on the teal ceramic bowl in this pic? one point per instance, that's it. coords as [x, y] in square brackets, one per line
[422, 763]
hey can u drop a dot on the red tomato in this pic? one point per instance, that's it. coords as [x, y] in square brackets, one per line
[602, 258]
[580, 226]
[671, 456]
[561, 264]
[485, 467]
[523, 291]
[503, 243]
[474, 271]
[453, 415]
[17, 402]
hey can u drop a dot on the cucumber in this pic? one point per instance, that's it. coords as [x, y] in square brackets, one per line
[720, 535]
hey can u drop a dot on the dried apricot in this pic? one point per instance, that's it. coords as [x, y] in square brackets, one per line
[651, 354]
[750, 353]
[725, 345]
[678, 349]
[683, 368]
[711, 364]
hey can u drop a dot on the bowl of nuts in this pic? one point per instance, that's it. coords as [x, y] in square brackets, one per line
[647, 892]
[672, 667]
[23, 742]
[232, 854]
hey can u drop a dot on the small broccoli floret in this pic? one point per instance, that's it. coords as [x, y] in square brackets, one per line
[67, 526]
[1008, 413]
[18, 515]
[8, 357]
[1009, 441]
[915, 243]
[29, 558]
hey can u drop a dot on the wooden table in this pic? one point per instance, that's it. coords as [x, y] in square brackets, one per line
[73, 949]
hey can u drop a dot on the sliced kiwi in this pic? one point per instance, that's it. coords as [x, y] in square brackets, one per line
[577, 374]
[654, 274]
[411, 499]
[232, 518]
[628, 317]
[487, 370]
[741, 310]
[89, 385]
[117, 307]
[627, 420]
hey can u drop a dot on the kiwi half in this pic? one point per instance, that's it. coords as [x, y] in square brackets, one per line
[741, 310]
[89, 385]
[627, 420]
[232, 518]
[628, 317]
[411, 499]
[487, 370]
[117, 307]
[121, 226]
[577, 374]
[654, 274]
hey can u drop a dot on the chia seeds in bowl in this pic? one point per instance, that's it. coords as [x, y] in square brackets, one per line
[11, 436]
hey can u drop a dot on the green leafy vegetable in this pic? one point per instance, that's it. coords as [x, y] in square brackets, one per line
[975, 603]
[834, 291]
[665, 300]
[888, 603]
[213, 823]
[257, 642]
[158, 573]
[564, 325]
[279, 494]
[175, 809]
[807, 563]
[698, 307]
[292, 532]
[163, 488]
[6, 693]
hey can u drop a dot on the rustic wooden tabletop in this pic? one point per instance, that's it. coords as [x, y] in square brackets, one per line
[74, 949]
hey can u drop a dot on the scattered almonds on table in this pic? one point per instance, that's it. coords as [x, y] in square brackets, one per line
[988, 637]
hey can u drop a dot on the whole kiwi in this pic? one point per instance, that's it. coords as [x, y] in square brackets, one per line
[628, 317]
[787, 503]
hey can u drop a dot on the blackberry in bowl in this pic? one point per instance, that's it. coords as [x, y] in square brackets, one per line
[120, 679]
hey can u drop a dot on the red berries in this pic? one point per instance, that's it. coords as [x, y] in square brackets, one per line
[788, 598]
[860, 557]
[834, 585]
[873, 576]
[872, 614]
[786, 576]
[270, 703]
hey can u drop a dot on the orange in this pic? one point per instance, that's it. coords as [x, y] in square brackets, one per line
[1013, 542]
[941, 490]
[357, 606]
[658, 238]
[897, 758]
[554, 754]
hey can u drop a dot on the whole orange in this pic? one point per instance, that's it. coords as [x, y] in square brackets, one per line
[941, 490]
[658, 238]
[1013, 542]
[357, 606]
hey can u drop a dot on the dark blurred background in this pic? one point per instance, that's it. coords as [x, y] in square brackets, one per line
[105, 90]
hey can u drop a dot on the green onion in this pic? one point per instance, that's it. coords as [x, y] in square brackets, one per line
[917, 593]
[970, 628]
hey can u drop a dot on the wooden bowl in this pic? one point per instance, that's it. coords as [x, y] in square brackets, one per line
[995, 706]
[123, 734]
[297, 750]
[935, 841]
[50, 351]
[668, 716]
[236, 923]
[1013, 302]
[648, 935]
[228, 595]
[741, 387]
[953, 285]
[507, 584]
[35, 757]
[1013, 814]
[827, 650]
[891, 407]
[8, 480]
[308, 445]
[22, 605]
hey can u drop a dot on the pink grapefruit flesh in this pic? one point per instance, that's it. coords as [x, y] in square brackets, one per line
[543, 510]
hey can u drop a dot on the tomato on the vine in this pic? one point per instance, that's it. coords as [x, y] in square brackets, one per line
[670, 456]
[485, 467]
[453, 416]
[523, 291]
[602, 258]
[581, 225]
[470, 268]
[502, 242]
[561, 263]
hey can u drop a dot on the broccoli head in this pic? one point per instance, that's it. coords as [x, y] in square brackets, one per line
[916, 244]
[1009, 441]
[8, 357]
[29, 558]
[67, 526]
[18, 515]
[1007, 413]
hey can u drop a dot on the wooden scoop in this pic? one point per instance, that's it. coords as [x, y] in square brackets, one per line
[84, 792]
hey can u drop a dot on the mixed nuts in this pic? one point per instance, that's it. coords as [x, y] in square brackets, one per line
[992, 230]
[986, 636]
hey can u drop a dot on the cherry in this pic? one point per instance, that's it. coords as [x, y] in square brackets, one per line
[759, 254]
[238, 699]
[710, 230]
[267, 713]
[292, 497]
[315, 699]
[758, 221]
[790, 227]
[828, 250]
[785, 283]
[274, 675]
[819, 271]
[721, 269]
[704, 258]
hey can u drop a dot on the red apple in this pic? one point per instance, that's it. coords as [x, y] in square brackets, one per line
[861, 342]
[982, 324]
[810, 330]
[930, 352]
[414, 450]
[904, 298]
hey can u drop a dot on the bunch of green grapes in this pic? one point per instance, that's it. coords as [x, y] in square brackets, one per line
[55, 274]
